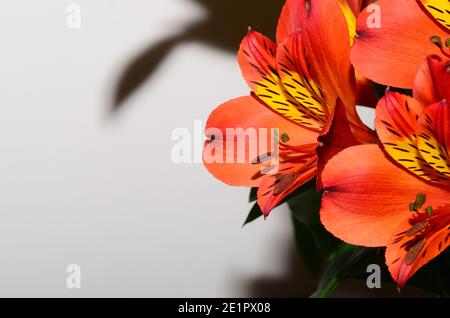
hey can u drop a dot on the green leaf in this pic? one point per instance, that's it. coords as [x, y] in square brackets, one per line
[343, 264]
[253, 195]
[380, 90]
[254, 214]
[305, 209]
[314, 243]
[310, 255]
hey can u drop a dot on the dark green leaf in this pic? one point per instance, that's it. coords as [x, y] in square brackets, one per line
[342, 265]
[253, 195]
[380, 90]
[254, 214]
[305, 208]
[307, 249]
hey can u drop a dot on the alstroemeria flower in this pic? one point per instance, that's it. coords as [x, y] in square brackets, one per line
[398, 194]
[295, 86]
[394, 39]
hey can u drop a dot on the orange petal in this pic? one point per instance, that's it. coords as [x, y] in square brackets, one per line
[329, 57]
[290, 176]
[245, 112]
[392, 53]
[329, 54]
[434, 138]
[416, 242]
[396, 123]
[259, 68]
[367, 196]
[432, 82]
[291, 18]
[335, 137]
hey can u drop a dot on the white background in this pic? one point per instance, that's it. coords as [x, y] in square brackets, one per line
[82, 184]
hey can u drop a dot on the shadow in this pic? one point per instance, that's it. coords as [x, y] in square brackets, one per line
[296, 283]
[223, 27]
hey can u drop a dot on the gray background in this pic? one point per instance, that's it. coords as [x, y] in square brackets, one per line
[86, 175]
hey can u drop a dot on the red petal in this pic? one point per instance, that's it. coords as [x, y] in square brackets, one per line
[294, 73]
[412, 248]
[396, 124]
[432, 82]
[367, 196]
[334, 138]
[329, 54]
[290, 176]
[291, 18]
[329, 57]
[433, 138]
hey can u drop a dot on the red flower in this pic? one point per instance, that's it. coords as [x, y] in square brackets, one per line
[295, 87]
[399, 197]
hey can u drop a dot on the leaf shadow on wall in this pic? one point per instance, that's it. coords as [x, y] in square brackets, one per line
[223, 26]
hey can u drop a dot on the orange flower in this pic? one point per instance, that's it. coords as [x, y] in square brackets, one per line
[408, 32]
[295, 86]
[399, 197]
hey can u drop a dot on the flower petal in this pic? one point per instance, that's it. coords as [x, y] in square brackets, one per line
[392, 53]
[432, 82]
[290, 176]
[434, 138]
[245, 112]
[329, 57]
[367, 196]
[416, 243]
[291, 18]
[328, 54]
[439, 10]
[396, 124]
[259, 68]
[350, 9]
[335, 137]
[294, 73]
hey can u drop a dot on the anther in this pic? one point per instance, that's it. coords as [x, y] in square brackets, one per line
[429, 211]
[414, 251]
[285, 137]
[416, 228]
[436, 40]
[421, 198]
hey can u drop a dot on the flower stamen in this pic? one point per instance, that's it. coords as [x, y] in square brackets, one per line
[436, 40]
